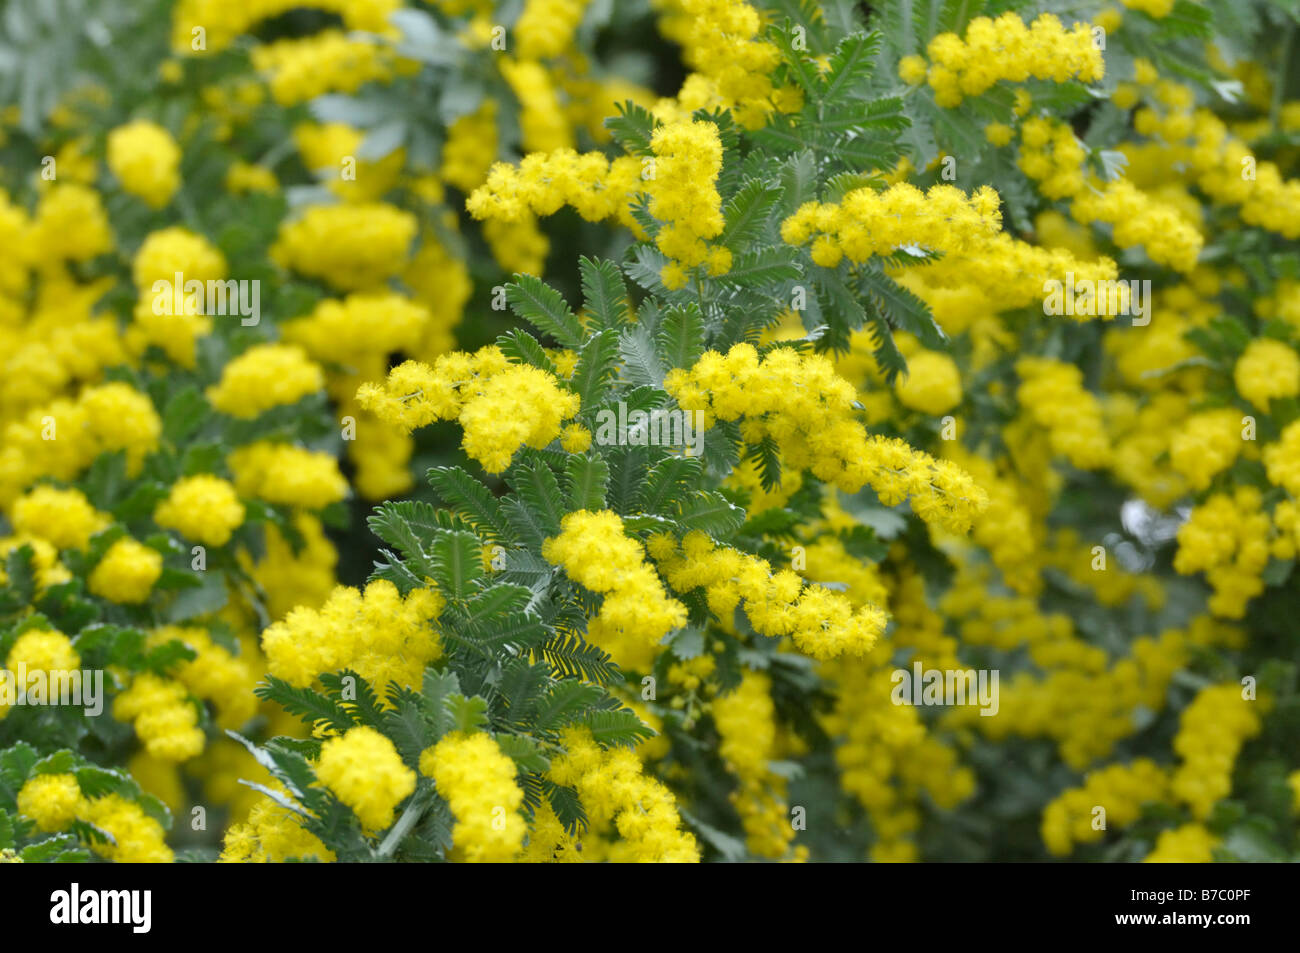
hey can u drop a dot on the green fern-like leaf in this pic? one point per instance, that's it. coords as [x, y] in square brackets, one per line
[604, 293]
[545, 309]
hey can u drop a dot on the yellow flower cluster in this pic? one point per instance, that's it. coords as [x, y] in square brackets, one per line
[162, 256]
[330, 149]
[1119, 789]
[203, 507]
[1266, 370]
[359, 327]
[1283, 460]
[272, 834]
[478, 781]
[746, 723]
[265, 376]
[543, 127]
[636, 612]
[683, 195]
[1227, 537]
[733, 67]
[545, 27]
[1138, 219]
[331, 61]
[54, 801]
[472, 144]
[617, 795]
[363, 770]
[64, 518]
[822, 623]
[1191, 843]
[70, 224]
[127, 572]
[353, 247]
[63, 437]
[41, 650]
[222, 22]
[215, 674]
[288, 474]
[380, 635]
[1194, 145]
[596, 187]
[146, 161]
[1206, 444]
[1052, 155]
[1052, 394]
[165, 718]
[1005, 49]
[932, 384]
[1006, 528]
[501, 406]
[800, 402]
[867, 222]
[1211, 731]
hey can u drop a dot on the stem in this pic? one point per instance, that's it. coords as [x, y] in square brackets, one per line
[414, 811]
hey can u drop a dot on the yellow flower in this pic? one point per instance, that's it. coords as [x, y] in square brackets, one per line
[127, 572]
[1267, 369]
[51, 800]
[478, 781]
[364, 771]
[203, 507]
[146, 161]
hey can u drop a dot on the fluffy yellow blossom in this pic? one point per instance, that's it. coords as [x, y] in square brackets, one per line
[364, 771]
[380, 635]
[351, 247]
[265, 376]
[1189, 844]
[127, 572]
[284, 473]
[1268, 369]
[688, 158]
[146, 161]
[63, 517]
[272, 834]
[70, 223]
[596, 187]
[501, 406]
[137, 838]
[932, 384]
[800, 402]
[1211, 731]
[1119, 789]
[1052, 394]
[165, 718]
[204, 508]
[822, 623]
[1206, 444]
[619, 797]
[636, 612]
[51, 800]
[746, 723]
[1005, 49]
[298, 69]
[39, 650]
[478, 781]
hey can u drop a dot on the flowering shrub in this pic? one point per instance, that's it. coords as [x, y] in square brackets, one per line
[443, 431]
